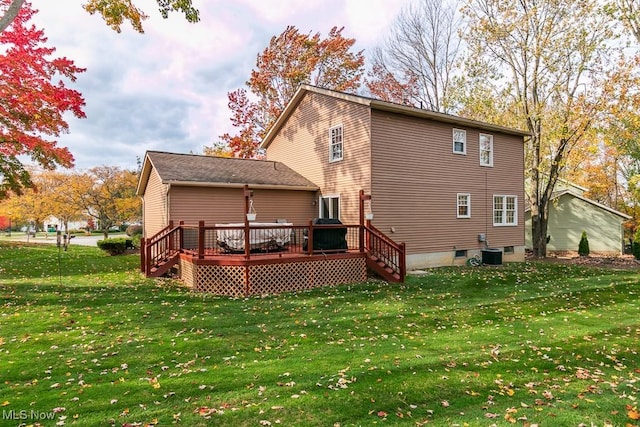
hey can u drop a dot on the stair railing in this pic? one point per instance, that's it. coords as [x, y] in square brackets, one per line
[160, 247]
[393, 254]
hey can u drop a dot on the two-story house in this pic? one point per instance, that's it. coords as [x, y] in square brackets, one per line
[446, 186]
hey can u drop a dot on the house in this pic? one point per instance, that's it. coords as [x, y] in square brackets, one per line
[193, 188]
[445, 186]
[435, 190]
[571, 213]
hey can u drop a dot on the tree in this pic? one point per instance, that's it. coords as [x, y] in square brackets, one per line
[107, 193]
[627, 12]
[56, 196]
[114, 12]
[417, 61]
[290, 60]
[218, 149]
[32, 102]
[28, 208]
[553, 71]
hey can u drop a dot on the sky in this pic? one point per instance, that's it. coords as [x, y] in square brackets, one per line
[167, 89]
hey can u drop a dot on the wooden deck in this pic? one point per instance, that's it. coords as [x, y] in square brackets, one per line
[249, 258]
[256, 263]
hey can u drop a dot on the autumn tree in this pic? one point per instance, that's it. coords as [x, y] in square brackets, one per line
[417, 61]
[29, 207]
[552, 68]
[108, 194]
[628, 13]
[33, 102]
[114, 12]
[56, 193]
[291, 59]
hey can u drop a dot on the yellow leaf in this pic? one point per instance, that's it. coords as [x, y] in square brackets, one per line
[5, 403]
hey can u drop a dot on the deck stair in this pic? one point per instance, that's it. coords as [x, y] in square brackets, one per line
[385, 257]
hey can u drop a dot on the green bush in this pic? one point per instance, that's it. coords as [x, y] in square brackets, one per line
[583, 247]
[115, 246]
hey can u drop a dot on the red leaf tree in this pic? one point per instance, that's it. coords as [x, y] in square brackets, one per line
[290, 60]
[33, 101]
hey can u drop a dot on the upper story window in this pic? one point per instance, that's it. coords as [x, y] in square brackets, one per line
[505, 210]
[486, 150]
[460, 141]
[336, 148]
[464, 205]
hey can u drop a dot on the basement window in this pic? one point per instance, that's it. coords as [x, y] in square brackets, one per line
[461, 253]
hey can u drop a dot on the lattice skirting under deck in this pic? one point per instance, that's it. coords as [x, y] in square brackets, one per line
[272, 278]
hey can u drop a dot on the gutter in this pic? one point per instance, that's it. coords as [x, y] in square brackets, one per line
[241, 185]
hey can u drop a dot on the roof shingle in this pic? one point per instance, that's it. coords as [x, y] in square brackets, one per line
[191, 168]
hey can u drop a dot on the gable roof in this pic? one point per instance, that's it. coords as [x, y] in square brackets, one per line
[557, 195]
[209, 171]
[383, 106]
[568, 191]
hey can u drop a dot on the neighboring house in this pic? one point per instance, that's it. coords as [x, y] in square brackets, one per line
[571, 213]
[192, 188]
[445, 186]
[52, 222]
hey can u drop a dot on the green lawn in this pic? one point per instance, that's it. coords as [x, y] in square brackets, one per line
[86, 339]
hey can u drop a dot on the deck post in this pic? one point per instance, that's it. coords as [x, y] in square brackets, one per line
[310, 238]
[181, 236]
[403, 261]
[143, 258]
[171, 242]
[147, 258]
[201, 239]
[362, 198]
[247, 230]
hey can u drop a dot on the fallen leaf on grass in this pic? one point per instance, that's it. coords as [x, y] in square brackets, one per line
[632, 413]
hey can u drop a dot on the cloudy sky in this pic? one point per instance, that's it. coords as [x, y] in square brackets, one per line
[167, 89]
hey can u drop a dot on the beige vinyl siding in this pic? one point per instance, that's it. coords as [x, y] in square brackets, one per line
[416, 178]
[303, 144]
[216, 205]
[155, 207]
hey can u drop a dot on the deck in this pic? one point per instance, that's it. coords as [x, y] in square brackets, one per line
[257, 259]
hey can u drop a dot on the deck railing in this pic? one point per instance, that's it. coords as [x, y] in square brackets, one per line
[155, 250]
[251, 241]
[256, 240]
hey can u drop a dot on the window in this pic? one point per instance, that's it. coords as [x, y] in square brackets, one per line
[459, 141]
[330, 207]
[464, 205]
[505, 210]
[461, 253]
[486, 150]
[336, 149]
[508, 250]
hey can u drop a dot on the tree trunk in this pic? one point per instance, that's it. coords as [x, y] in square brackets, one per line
[539, 223]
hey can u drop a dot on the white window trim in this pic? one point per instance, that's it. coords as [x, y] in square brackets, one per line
[464, 142]
[329, 196]
[504, 211]
[331, 159]
[468, 215]
[490, 164]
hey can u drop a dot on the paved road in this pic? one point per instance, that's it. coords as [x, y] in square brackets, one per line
[51, 239]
